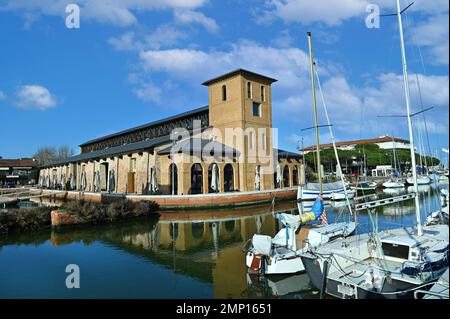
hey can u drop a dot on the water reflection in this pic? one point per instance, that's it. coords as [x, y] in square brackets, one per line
[181, 254]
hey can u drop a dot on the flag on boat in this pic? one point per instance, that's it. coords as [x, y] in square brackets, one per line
[323, 218]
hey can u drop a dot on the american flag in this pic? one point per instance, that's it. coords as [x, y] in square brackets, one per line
[323, 218]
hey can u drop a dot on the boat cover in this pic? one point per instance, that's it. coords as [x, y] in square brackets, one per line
[262, 244]
[325, 186]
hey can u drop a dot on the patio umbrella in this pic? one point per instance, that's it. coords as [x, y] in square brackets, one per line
[215, 178]
[302, 175]
[112, 181]
[40, 183]
[54, 181]
[278, 175]
[153, 182]
[257, 179]
[97, 181]
[73, 181]
[83, 181]
[63, 180]
[48, 181]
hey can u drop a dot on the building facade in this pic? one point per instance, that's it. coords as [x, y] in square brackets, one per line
[225, 146]
[16, 171]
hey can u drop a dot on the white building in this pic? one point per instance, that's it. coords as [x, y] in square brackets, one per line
[384, 142]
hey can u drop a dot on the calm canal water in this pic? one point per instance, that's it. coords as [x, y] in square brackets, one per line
[178, 255]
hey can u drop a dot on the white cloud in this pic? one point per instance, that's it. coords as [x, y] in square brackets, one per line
[164, 36]
[189, 16]
[35, 97]
[149, 92]
[330, 12]
[116, 12]
[423, 6]
[284, 40]
[334, 12]
[126, 42]
[354, 110]
[289, 64]
[2, 96]
[433, 34]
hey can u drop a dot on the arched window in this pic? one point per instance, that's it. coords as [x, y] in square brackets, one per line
[263, 93]
[229, 225]
[198, 230]
[196, 179]
[249, 90]
[173, 171]
[224, 92]
[295, 176]
[228, 178]
[286, 176]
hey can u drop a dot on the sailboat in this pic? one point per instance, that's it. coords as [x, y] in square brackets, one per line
[386, 264]
[422, 179]
[394, 182]
[281, 254]
[331, 191]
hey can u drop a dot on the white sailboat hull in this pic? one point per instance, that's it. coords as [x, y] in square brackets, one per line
[356, 271]
[421, 180]
[330, 191]
[393, 184]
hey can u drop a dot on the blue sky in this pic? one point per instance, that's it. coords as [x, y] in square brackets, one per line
[134, 61]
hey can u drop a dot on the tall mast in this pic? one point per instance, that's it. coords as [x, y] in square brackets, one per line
[316, 121]
[393, 148]
[410, 129]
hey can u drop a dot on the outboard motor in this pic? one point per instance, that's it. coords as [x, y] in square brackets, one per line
[262, 246]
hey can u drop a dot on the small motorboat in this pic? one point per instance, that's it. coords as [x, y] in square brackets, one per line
[421, 180]
[365, 186]
[341, 195]
[393, 184]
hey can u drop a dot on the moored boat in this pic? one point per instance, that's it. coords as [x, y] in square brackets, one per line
[421, 180]
[365, 186]
[310, 191]
[281, 254]
[391, 268]
[393, 184]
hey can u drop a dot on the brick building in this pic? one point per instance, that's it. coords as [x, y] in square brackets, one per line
[225, 146]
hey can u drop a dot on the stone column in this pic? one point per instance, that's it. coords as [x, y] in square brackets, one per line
[221, 177]
[205, 178]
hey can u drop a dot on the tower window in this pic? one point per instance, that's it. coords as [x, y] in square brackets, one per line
[263, 93]
[224, 92]
[256, 109]
[249, 90]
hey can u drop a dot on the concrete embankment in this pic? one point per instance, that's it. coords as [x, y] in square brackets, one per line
[164, 202]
